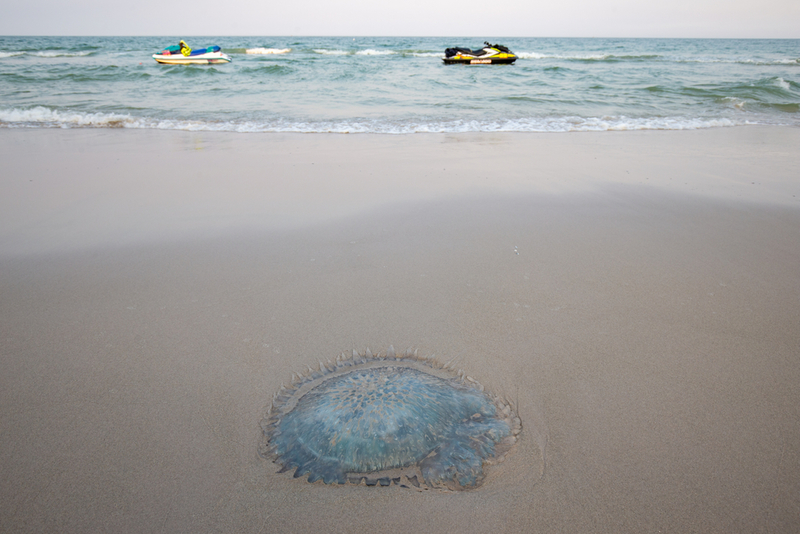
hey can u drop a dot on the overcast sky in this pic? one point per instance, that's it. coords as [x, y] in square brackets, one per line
[503, 18]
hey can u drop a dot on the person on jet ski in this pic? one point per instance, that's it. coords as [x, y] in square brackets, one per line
[185, 50]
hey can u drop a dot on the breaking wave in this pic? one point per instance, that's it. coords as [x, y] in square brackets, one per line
[42, 117]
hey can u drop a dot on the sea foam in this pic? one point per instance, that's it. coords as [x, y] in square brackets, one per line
[371, 52]
[266, 51]
[44, 117]
[56, 53]
[327, 52]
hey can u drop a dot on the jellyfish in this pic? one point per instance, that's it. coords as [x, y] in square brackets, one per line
[388, 419]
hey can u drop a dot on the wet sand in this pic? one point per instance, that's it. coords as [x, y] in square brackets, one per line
[636, 295]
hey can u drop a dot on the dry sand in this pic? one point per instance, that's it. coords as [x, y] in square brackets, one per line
[636, 295]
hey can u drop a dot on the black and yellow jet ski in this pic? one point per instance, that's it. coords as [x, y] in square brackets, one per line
[490, 54]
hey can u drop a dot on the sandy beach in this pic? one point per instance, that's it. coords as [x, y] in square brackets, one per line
[635, 295]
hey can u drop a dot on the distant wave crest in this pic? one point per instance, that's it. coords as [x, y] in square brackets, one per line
[371, 52]
[326, 52]
[57, 53]
[46, 53]
[365, 52]
[267, 51]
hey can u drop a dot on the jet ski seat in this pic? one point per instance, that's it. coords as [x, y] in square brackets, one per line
[450, 52]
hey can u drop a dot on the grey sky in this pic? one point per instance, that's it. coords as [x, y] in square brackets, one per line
[525, 18]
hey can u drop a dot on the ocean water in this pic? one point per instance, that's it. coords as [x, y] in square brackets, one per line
[399, 85]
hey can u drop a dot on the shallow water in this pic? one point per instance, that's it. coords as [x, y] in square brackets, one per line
[399, 85]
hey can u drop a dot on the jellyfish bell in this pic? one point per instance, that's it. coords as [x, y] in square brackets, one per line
[387, 418]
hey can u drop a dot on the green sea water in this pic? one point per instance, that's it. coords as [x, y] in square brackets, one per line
[399, 85]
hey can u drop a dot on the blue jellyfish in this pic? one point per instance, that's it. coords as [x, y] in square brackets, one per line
[387, 418]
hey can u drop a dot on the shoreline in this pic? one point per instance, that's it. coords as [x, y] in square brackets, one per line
[639, 310]
[237, 182]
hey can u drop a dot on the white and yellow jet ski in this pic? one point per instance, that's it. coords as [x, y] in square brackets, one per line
[183, 55]
[490, 54]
